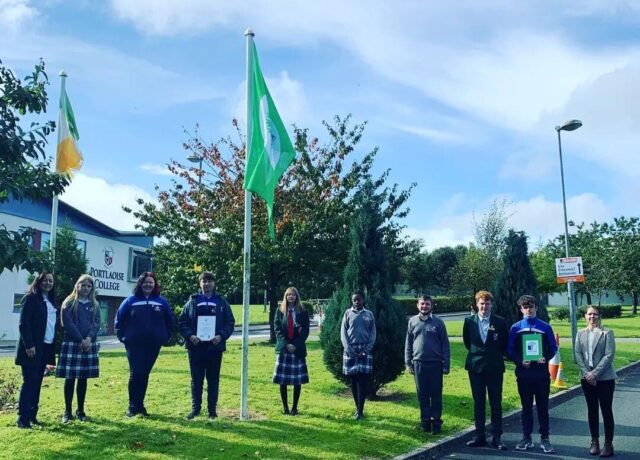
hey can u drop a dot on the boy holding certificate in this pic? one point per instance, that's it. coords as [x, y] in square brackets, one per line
[531, 345]
[206, 322]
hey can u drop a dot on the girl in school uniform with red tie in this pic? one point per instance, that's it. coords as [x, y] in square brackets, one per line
[291, 327]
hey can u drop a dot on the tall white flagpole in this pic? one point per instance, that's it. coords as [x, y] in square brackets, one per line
[246, 286]
[54, 203]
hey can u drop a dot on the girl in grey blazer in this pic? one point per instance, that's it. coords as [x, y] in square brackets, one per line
[595, 349]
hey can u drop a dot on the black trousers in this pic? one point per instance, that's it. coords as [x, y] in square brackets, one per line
[529, 389]
[141, 360]
[32, 376]
[428, 377]
[601, 394]
[488, 382]
[203, 363]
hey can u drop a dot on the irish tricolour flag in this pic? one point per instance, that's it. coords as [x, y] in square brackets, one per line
[68, 156]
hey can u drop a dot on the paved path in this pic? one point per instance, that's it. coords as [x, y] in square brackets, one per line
[569, 429]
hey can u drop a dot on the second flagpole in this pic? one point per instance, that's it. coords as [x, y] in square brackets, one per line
[246, 284]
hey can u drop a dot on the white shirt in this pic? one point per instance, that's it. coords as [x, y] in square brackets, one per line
[483, 326]
[51, 321]
[592, 335]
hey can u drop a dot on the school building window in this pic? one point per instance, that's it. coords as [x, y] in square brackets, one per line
[139, 262]
[17, 302]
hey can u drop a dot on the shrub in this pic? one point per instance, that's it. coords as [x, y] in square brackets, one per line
[441, 304]
[606, 311]
[9, 387]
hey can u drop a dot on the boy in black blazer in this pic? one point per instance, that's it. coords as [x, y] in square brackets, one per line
[485, 336]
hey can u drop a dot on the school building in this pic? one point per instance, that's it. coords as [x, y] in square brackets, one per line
[115, 259]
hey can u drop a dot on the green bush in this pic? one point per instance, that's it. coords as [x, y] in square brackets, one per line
[441, 304]
[606, 311]
[9, 388]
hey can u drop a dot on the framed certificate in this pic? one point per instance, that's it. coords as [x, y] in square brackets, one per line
[206, 328]
[531, 347]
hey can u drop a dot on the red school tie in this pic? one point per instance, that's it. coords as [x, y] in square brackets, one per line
[290, 325]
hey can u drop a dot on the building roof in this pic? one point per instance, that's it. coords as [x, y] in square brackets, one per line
[40, 211]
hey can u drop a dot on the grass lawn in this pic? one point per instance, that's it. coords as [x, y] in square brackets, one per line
[324, 430]
[625, 326]
[256, 314]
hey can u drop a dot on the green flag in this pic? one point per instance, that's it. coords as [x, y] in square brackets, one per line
[270, 151]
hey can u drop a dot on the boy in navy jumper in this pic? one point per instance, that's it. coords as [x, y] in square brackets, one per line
[205, 356]
[532, 376]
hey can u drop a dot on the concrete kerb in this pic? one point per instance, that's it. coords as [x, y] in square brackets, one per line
[436, 449]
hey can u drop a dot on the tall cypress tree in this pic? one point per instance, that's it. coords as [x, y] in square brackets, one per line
[517, 278]
[367, 269]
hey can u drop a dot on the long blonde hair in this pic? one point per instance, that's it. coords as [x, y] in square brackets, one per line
[71, 301]
[283, 305]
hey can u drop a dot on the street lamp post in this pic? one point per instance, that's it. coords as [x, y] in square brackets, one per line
[570, 125]
[195, 158]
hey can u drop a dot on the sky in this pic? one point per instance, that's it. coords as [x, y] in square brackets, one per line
[461, 98]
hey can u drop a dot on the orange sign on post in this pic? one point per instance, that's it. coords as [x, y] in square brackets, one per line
[569, 269]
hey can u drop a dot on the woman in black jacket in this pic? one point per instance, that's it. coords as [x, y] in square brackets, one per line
[291, 327]
[35, 345]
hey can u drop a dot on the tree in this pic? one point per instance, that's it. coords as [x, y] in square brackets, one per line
[625, 236]
[440, 265]
[414, 267]
[24, 172]
[491, 231]
[517, 279]
[543, 263]
[475, 271]
[367, 268]
[203, 223]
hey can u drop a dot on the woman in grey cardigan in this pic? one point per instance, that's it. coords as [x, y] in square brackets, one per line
[595, 349]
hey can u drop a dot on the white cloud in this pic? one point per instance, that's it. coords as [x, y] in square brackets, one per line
[435, 135]
[528, 167]
[103, 201]
[14, 14]
[540, 218]
[153, 168]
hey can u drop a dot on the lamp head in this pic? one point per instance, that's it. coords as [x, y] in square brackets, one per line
[570, 125]
[194, 158]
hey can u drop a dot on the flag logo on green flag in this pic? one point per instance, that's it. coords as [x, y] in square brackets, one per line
[270, 151]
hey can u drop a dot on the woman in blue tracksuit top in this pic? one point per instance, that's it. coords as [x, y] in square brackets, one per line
[144, 322]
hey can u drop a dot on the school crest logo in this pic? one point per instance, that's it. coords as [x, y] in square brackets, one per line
[108, 256]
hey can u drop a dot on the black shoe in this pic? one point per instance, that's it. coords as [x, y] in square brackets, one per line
[193, 414]
[436, 429]
[131, 413]
[359, 416]
[285, 411]
[426, 427]
[144, 412]
[497, 443]
[20, 423]
[81, 416]
[36, 422]
[66, 417]
[477, 442]
[294, 411]
[213, 416]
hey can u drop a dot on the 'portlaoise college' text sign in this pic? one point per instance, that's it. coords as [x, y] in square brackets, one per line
[111, 276]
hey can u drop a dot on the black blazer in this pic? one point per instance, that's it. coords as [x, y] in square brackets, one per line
[489, 354]
[32, 326]
[300, 332]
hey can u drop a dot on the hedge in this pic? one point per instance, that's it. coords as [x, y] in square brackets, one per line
[441, 304]
[606, 311]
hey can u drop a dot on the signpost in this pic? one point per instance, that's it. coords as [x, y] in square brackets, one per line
[569, 269]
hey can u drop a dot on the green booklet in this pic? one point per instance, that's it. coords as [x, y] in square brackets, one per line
[531, 347]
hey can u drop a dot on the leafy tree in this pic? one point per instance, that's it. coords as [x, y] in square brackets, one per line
[441, 263]
[367, 268]
[491, 231]
[203, 223]
[543, 262]
[517, 279]
[475, 271]
[414, 267]
[24, 172]
[625, 236]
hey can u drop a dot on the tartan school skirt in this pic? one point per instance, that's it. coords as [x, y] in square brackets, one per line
[290, 370]
[76, 364]
[357, 364]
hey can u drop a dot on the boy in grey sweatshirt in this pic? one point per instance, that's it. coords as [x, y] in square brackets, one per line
[427, 357]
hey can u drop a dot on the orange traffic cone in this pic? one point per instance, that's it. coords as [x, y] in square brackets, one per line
[554, 363]
[559, 382]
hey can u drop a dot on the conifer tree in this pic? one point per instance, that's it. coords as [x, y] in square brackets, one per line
[517, 278]
[367, 269]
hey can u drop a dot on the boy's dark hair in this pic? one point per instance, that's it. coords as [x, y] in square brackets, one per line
[206, 276]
